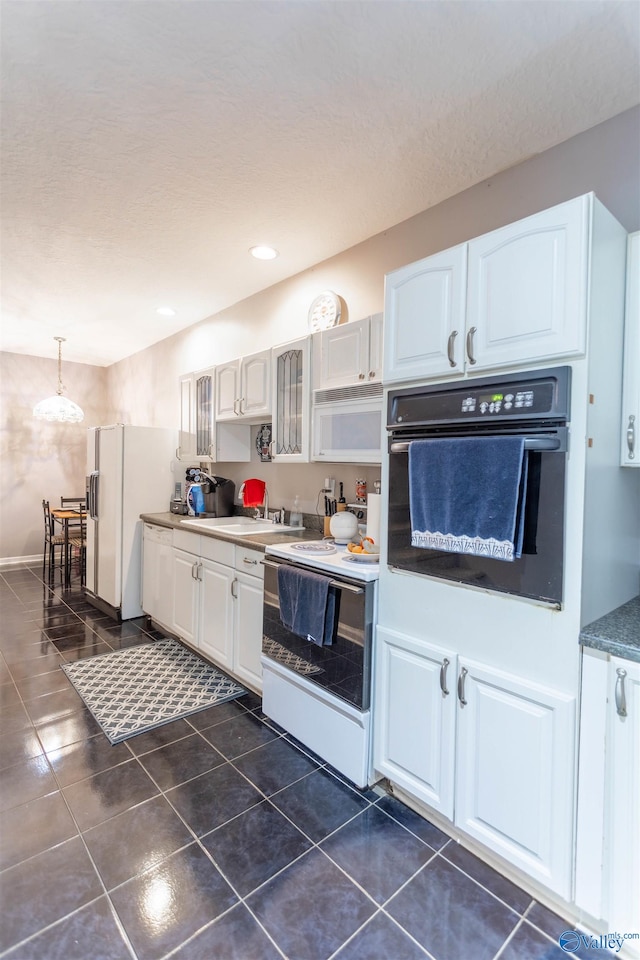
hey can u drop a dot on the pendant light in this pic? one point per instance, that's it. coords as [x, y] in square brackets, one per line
[58, 408]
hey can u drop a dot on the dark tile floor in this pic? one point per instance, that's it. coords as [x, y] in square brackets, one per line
[214, 837]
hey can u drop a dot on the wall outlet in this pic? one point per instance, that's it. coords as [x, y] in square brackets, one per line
[330, 486]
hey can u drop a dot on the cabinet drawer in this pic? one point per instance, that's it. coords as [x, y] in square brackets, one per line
[219, 550]
[250, 561]
[189, 542]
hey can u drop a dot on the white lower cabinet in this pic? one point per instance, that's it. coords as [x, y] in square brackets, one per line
[248, 596]
[491, 752]
[622, 812]
[186, 557]
[217, 603]
[415, 722]
[215, 613]
[608, 828]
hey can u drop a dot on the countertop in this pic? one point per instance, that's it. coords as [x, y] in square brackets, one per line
[257, 541]
[617, 632]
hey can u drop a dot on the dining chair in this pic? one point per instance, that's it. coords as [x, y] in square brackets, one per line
[51, 539]
[73, 503]
[78, 544]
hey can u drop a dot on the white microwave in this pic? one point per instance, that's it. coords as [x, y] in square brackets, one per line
[347, 424]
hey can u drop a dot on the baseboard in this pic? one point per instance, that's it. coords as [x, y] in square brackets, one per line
[20, 561]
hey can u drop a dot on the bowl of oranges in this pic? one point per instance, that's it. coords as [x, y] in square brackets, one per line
[365, 549]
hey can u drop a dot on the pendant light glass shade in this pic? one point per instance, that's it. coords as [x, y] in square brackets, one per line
[58, 408]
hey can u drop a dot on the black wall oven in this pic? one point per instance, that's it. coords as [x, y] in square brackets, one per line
[534, 405]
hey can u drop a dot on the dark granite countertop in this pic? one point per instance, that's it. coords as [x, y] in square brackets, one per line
[617, 632]
[257, 541]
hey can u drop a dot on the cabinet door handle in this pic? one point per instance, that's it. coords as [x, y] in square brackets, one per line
[461, 679]
[443, 677]
[234, 592]
[252, 563]
[194, 570]
[470, 355]
[631, 436]
[177, 453]
[372, 374]
[621, 700]
[450, 342]
[361, 376]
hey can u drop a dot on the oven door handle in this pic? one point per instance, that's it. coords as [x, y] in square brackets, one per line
[340, 584]
[530, 443]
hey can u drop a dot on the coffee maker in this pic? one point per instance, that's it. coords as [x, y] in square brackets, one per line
[218, 492]
[219, 495]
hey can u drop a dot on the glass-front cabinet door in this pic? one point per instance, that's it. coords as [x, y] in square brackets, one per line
[291, 401]
[205, 449]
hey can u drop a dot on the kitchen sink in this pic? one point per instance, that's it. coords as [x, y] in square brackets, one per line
[239, 526]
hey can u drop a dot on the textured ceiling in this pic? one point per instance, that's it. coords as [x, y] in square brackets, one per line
[147, 145]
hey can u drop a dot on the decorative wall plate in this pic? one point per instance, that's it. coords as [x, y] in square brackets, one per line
[324, 311]
[263, 442]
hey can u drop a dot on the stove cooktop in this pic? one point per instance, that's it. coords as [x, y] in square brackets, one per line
[338, 561]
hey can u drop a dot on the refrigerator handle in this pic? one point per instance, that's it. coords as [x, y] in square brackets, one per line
[93, 495]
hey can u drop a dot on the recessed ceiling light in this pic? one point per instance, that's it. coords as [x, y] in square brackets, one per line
[166, 311]
[263, 253]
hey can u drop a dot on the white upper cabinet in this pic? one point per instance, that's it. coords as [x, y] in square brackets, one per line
[243, 388]
[630, 451]
[187, 430]
[425, 316]
[205, 423]
[291, 404]
[255, 385]
[348, 354]
[513, 296]
[227, 390]
[527, 288]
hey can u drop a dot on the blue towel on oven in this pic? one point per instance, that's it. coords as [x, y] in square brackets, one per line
[467, 495]
[307, 604]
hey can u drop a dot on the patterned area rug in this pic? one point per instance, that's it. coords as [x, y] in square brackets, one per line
[135, 690]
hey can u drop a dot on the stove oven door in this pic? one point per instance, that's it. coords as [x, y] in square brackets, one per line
[343, 668]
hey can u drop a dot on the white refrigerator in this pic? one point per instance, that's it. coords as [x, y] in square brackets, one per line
[129, 472]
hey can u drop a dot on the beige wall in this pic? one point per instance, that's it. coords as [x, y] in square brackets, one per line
[41, 460]
[142, 389]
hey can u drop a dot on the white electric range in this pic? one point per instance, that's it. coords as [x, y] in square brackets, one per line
[321, 694]
[328, 556]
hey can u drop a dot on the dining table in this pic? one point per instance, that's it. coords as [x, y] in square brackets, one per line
[65, 517]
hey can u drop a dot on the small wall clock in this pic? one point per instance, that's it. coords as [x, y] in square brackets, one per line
[324, 311]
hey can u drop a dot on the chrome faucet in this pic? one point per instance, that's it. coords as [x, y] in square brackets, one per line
[256, 515]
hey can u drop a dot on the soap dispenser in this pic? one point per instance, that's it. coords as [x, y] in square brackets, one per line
[296, 513]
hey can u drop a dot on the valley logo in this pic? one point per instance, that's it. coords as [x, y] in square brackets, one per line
[571, 941]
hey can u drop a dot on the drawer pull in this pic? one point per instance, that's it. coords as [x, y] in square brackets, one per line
[631, 437]
[470, 355]
[450, 342]
[443, 677]
[621, 700]
[461, 679]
